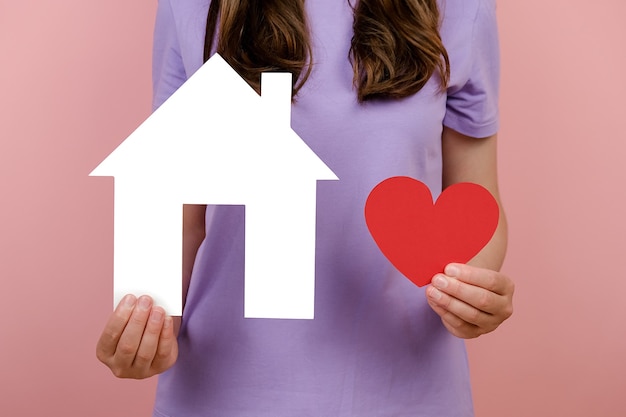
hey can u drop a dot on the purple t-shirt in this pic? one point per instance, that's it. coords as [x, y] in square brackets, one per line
[375, 348]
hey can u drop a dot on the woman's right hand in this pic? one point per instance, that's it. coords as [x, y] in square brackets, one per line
[138, 341]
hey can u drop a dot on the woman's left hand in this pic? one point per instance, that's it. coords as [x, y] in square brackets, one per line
[471, 301]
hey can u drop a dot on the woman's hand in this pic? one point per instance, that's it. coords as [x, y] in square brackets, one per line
[138, 341]
[471, 301]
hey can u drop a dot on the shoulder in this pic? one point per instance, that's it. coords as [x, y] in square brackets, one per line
[188, 24]
[469, 32]
[187, 14]
[465, 9]
[178, 45]
[461, 19]
[188, 8]
[468, 28]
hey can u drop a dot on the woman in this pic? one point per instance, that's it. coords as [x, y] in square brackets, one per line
[382, 88]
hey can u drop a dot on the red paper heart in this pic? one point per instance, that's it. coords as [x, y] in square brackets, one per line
[420, 238]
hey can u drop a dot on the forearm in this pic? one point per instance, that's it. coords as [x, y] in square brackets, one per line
[474, 160]
[193, 235]
[492, 255]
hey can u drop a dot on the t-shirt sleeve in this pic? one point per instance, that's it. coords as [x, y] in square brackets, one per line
[168, 72]
[472, 108]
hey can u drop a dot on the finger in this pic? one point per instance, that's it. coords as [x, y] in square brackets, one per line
[465, 330]
[149, 340]
[445, 314]
[167, 350]
[460, 309]
[131, 337]
[455, 324]
[114, 328]
[476, 297]
[479, 277]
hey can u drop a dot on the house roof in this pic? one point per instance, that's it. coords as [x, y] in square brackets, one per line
[216, 126]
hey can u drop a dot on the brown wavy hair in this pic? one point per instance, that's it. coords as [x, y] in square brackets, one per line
[395, 48]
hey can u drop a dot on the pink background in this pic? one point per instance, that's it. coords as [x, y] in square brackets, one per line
[75, 80]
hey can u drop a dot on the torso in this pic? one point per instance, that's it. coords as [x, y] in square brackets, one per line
[375, 348]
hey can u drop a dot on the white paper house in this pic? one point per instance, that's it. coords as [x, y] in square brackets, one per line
[216, 141]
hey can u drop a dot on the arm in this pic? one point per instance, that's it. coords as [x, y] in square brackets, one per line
[475, 298]
[193, 235]
[139, 340]
[467, 159]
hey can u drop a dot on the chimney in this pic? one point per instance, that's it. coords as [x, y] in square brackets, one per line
[276, 95]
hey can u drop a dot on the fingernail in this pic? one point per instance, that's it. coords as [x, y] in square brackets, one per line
[167, 323]
[156, 315]
[145, 303]
[129, 300]
[440, 282]
[435, 294]
[452, 270]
